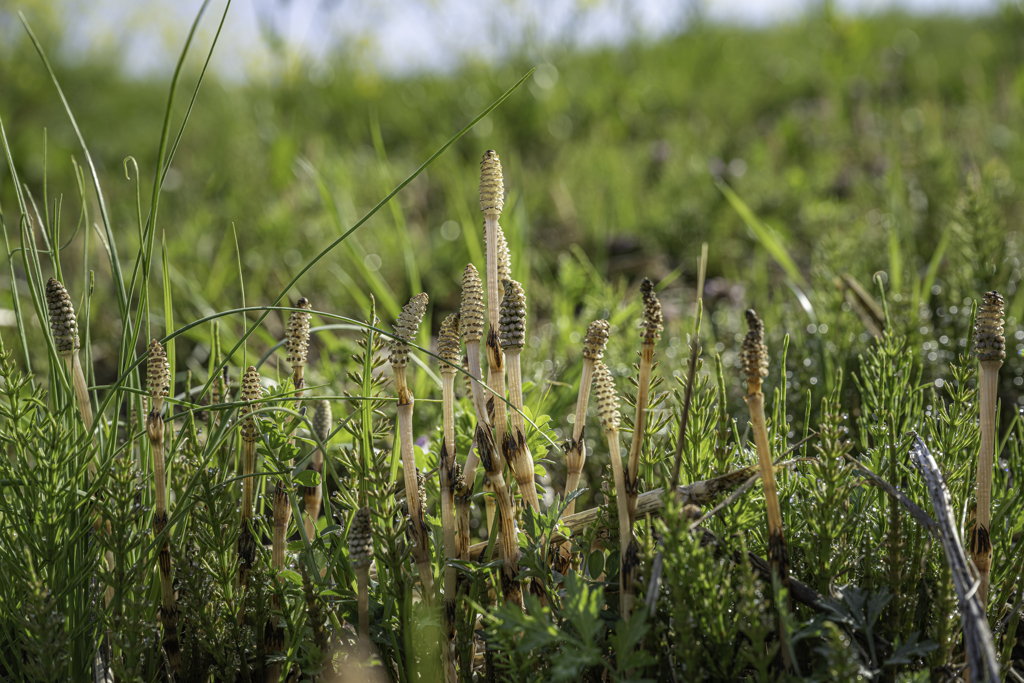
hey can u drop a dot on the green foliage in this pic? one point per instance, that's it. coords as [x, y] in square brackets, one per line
[851, 163]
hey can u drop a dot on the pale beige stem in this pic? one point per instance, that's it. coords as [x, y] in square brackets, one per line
[421, 542]
[576, 456]
[507, 539]
[496, 387]
[81, 389]
[778, 555]
[493, 292]
[627, 592]
[448, 525]
[519, 453]
[639, 427]
[479, 406]
[981, 545]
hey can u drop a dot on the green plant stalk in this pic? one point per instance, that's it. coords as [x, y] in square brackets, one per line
[518, 452]
[168, 608]
[639, 427]
[777, 553]
[627, 573]
[981, 542]
[421, 542]
[447, 466]
[576, 456]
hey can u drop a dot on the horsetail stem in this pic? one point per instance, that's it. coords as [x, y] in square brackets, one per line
[322, 421]
[251, 391]
[754, 368]
[64, 326]
[406, 328]
[576, 450]
[512, 327]
[990, 346]
[448, 349]
[651, 327]
[472, 315]
[158, 380]
[297, 347]
[608, 410]
[360, 555]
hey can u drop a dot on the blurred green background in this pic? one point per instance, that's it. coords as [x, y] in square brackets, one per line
[861, 143]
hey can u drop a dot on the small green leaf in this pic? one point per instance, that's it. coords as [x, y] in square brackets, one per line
[307, 478]
[291, 576]
[595, 564]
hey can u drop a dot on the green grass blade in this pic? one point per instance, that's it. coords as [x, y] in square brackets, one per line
[168, 307]
[765, 235]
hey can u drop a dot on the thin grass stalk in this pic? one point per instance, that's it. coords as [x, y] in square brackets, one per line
[608, 409]
[406, 328]
[451, 358]
[990, 345]
[246, 537]
[322, 420]
[576, 453]
[158, 380]
[360, 552]
[652, 327]
[513, 338]
[754, 364]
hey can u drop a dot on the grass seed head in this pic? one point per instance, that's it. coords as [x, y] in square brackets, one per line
[596, 340]
[297, 334]
[652, 324]
[472, 312]
[250, 392]
[360, 539]
[512, 320]
[406, 328]
[607, 399]
[754, 353]
[989, 342]
[322, 419]
[448, 345]
[492, 188]
[158, 374]
[63, 323]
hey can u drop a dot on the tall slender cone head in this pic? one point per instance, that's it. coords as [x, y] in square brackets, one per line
[322, 419]
[406, 328]
[448, 345]
[63, 323]
[512, 316]
[607, 399]
[472, 314]
[360, 539]
[158, 374]
[754, 353]
[250, 392]
[989, 342]
[596, 340]
[653, 322]
[297, 334]
[492, 187]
